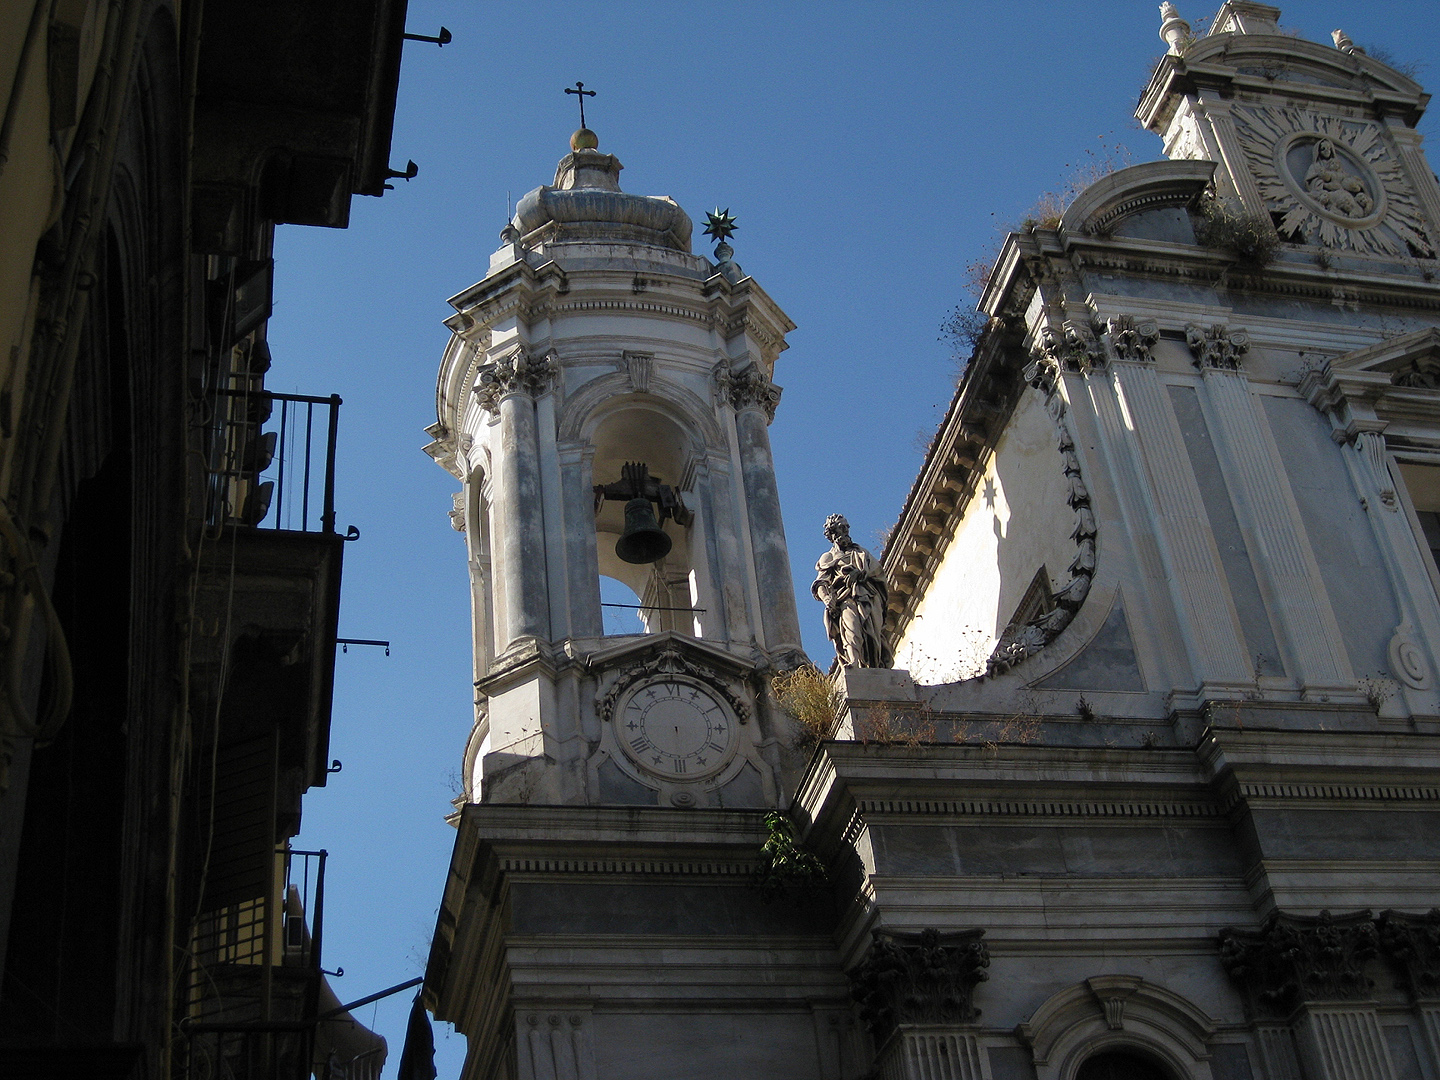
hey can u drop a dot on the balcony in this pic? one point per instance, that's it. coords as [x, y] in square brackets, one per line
[257, 1006]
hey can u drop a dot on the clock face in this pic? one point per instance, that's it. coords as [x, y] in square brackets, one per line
[676, 729]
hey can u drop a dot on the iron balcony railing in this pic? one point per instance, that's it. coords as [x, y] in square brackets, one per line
[253, 994]
[273, 467]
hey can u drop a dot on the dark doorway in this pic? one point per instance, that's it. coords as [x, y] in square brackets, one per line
[1121, 1065]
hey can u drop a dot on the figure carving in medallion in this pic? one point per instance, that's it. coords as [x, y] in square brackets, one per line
[849, 582]
[1334, 187]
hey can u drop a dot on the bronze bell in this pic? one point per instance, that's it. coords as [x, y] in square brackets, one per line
[643, 541]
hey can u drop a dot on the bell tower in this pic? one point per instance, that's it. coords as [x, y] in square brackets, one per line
[604, 401]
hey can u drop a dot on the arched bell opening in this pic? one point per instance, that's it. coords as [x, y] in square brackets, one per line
[646, 527]
[621, 612]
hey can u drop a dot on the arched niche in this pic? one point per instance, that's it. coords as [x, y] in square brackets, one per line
[1119, 1014]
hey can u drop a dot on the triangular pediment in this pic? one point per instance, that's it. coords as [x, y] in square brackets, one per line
[1412, 360]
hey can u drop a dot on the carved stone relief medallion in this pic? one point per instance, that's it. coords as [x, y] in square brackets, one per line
[676, 728]
[1332, 182]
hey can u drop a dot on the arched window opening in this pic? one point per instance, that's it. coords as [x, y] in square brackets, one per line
[1121, 1065]
[620, 608]
[668, 592]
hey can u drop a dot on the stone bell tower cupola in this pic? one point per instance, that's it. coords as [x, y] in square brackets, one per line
[604, 401]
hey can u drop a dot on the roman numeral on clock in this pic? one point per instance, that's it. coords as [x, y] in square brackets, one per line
[641, 744]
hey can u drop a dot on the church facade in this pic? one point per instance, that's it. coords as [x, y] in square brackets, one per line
[1152, 787]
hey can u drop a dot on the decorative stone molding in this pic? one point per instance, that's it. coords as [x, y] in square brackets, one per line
[1333, 181]
[1412, 944]
[1072, 348]
[749, 386]
[668, 661]
[457, 511]
[1019, 642]
[1293, 959]
[919, 978]
[1132, 338]
[555, 1045]
[1118, 1012]
[519, 371]
[1217, 346]
[638, 366]
[1371, 447]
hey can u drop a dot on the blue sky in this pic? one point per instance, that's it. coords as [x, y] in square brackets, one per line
[869, 152]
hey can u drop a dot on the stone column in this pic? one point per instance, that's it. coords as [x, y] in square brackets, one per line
[731, 576]
[1201, 597]
[581, 573]
[914, 993]
[508, 387]
[1310, 971]
[1343, 1041]
[1263, 502]
[754, 398]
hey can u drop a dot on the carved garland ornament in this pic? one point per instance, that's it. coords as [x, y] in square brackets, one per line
[517, 372]
[1334, 182]
[1075, 350]
[668, 661]
[924, 978]
[749, 386]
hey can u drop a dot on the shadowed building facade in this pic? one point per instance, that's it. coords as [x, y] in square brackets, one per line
[169, 560]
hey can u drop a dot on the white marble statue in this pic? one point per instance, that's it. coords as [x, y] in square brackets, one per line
[851, 585]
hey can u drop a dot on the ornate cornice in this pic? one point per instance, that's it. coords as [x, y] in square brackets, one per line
[919, 978]
[1294, 959]
[1039, 808]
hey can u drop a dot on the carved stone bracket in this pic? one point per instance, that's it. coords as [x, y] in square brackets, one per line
[519, 371]
[749, 386]
[668, 661]
[1300, 958]
[1412, 943]
[1217, 346]
[1132, 338]
[924, 978]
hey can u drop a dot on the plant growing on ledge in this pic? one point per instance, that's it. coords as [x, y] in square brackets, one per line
[1224, 226]
[785, 866]
[812, 699]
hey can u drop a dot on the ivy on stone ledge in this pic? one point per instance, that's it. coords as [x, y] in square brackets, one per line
[785, 867]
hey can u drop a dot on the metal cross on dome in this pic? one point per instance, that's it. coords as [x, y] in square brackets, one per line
[579, 91]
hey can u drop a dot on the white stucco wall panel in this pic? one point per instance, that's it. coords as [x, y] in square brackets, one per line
[1018, 520]
[1344, 545]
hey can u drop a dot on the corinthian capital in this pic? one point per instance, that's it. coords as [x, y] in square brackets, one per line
[519, 371]
[749, 386]
[1216, 346]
